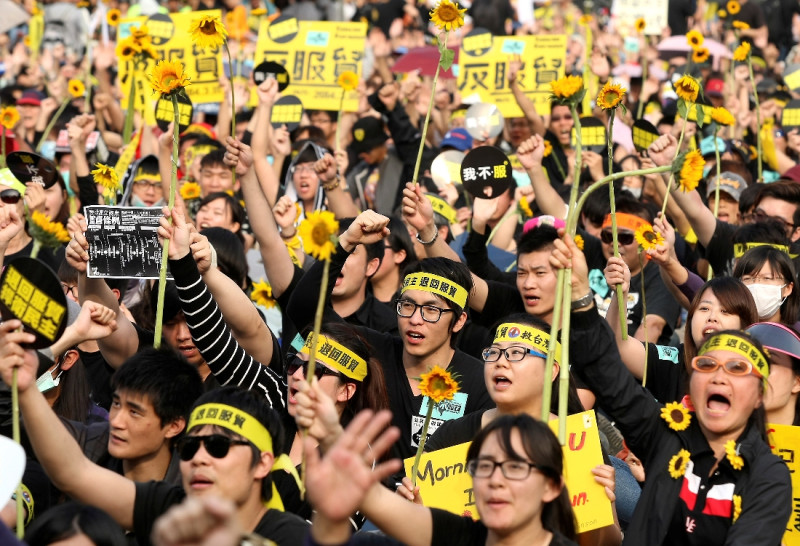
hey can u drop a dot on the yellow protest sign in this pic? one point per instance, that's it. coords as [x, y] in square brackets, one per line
[27, 301]
[483, 70]
[444, 482]
[171, 39]
[785, 441]
[314, 53]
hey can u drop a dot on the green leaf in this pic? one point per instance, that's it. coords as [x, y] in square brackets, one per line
[682, 110]
[446, 59]
[701, 115]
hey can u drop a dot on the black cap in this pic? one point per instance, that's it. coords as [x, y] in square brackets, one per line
[368, 134]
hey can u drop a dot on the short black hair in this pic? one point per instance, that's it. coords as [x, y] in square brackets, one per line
[71, 519]
[539, 238]
[171, 383]
[255, 405]
[213, 158]
[231, 259]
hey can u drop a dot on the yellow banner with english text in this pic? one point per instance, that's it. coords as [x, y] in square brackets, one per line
[444, 482]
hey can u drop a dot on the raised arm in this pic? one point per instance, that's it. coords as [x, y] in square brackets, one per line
[631, 350]
[57, 451]
[523, 101]
[530, 155]
[267, 176]
[329, 170]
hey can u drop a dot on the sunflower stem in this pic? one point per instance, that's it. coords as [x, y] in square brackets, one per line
[52, 123]
[338, 144]
[233, 108]
[547, 392]
[672, 175]
[623, 314]
[173, 184]
[3, 148]
[510, 212]
[644, 324]
[423, 435]
[428, 115]
[16, 437]
[640, 107]
[758, 118]
[87, 101]
[128, 127]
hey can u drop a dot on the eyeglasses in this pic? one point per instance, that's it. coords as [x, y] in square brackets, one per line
[149, 184]
[71, 290]
[762, 279]
[429, 313]
[512, 470]
[624, 237]
[216, 445]
[10, 197]
[734, 366]
[760, 216]
[512, 354]
[303, 169]
[320, 370]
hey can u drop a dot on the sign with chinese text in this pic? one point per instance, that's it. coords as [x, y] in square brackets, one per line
[314, 53]
[483, 69]
[784, 441]
[444, 482]
[171, 39]
[30, 167]
[486, 172]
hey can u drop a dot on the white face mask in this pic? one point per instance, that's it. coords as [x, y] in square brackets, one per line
[45, 382]
[636, 192]
[768, 298]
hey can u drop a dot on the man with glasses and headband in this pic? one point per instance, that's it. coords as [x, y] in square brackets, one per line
[232, 445]
[144, 187]
[430, 313]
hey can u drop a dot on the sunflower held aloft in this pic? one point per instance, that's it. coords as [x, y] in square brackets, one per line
[695, 39]
[700, 55]
[76, 88]
[45, 231]
[687, 88]
[742, 52]
[734, 7]
[611, 96]
[168, 77]
[721, 116]
[318, 232]
[208, 31]
[262, 294]
[113, 16]
[347, 80]
[9, 117]
[640, 25]
[690, 170]
[190, 190]
[438, 385]
[447, 16]
[567, 90]
[106, 177]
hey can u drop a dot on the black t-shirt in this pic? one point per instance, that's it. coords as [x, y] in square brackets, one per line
[678, 12]
[667, 378]
[455, 432]
[751, 14]
[154, 498]
[449, 528]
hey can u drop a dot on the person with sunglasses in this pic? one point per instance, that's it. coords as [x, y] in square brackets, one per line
[233, 443]
[711, 477]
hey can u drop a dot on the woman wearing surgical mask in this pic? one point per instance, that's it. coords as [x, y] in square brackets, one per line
[769, 275]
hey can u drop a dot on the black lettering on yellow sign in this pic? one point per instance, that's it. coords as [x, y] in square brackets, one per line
[478, 44]
[475, 76]
[161, 29]
[165, 112]
[791, 118]
[30, 305]
[591, 136]
[643, 139]
[283, 29]
[286, 113]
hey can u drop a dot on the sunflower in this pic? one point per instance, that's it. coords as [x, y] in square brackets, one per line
[737, 507]
[9, 116]
[700, 55]
[610, 96]
[46, 231]
[694, 38]
[207, 31]
[740, 25]
[687, 88]
[149, 51]
[140, 32]
[734, 7]
[691, 171]
[76, 88]
[318, 232]
[438, 385]
[548, 148]
[190, 190]
[584, 20]
[722, 14]
[579, 242]
[567, 87]
[127, 49]
[647, 239]
[347, 80]
[676, 416]
[113, 16]
[447, 16]
[640, 25]
[677, 464]
[732, 453]
[258, 12]
[262, 294]
[168, 77]
[106, 176]
[722, 116]
[741, 52]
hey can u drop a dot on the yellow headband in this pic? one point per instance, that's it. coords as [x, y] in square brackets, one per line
[740, 346]
[739, 249]
[337, 357]
[627, 221]
[248, 427]
[436, 285]
[442, 207]
[142, 175]
[528, 335]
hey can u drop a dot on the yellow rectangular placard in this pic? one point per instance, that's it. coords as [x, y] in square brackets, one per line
[785, 442]
[30, 305]
[486, 75]
[171, 39]
[314, 53]
[444, 482]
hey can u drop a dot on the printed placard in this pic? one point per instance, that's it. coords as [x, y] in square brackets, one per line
[486, 172]
[314, 53]
[165, 112]
[784, 441]
[624, 14]
[444, 482]
[123, 242]
[31, 167]
[484, 63]
[287, 111]
[32, 293]
[171, 39]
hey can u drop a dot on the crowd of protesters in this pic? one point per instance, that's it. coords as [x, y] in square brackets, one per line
[216, 437]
